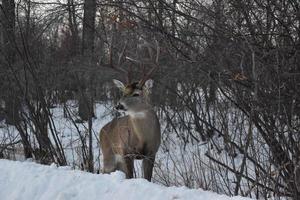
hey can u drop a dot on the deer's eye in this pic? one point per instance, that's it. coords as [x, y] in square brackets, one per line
[135, 95]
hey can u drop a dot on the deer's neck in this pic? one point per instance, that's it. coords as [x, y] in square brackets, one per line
[143, 123]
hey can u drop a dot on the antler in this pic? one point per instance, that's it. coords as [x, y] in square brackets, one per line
[154, 64]
[120, 58]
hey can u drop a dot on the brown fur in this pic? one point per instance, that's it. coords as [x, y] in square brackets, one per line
[131, 137]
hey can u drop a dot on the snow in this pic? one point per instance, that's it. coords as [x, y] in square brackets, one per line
[177, 163]
[27, 180]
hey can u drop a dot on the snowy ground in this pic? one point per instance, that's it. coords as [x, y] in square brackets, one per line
[177, 163]
[27, 180]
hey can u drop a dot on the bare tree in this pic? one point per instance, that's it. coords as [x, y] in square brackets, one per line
[87, 91]
[228, 83]
[12, 100]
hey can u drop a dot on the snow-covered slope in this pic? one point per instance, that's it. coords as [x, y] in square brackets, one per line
[30, 181]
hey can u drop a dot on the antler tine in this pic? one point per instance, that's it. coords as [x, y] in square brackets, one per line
[122, 54]
[157, 51]
[110, 55]
[155, 63]
[118, 67]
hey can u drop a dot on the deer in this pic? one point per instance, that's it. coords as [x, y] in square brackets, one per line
[136, 135]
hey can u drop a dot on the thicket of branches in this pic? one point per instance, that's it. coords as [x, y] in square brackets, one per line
[228, 77]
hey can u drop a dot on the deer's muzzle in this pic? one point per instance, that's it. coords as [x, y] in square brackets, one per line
[120, 107]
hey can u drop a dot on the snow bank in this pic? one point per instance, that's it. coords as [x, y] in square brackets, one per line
[30, 181]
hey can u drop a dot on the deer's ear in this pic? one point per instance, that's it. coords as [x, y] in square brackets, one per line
[119, 84]
[148, 84]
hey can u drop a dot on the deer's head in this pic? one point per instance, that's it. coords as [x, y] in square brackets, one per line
[135, 96]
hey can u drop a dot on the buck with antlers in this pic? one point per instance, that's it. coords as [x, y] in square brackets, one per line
[136, 135]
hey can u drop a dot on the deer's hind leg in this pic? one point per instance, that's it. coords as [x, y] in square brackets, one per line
[148, 163]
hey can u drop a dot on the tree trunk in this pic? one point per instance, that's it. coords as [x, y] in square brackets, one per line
[12, 107]
[86, 111]
[8, 22]
[87, 51]
[88, 35]
[73, 28]
[12, 102]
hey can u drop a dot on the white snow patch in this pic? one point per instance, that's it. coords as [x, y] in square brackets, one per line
[26, 180]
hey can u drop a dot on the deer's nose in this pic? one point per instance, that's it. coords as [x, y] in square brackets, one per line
[120, 107]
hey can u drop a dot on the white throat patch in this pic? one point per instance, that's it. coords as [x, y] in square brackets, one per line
[140, 114]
